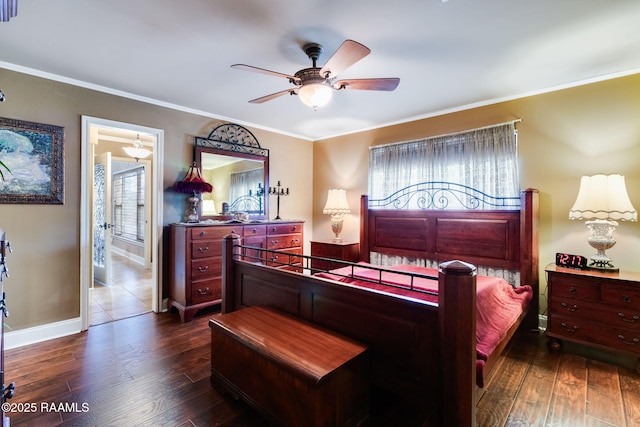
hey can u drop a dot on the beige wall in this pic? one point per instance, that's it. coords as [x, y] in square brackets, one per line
[45, 266]
[563, 135]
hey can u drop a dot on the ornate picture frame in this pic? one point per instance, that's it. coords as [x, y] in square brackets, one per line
[34, 156]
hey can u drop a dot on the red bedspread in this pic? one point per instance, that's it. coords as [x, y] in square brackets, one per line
[498, 303]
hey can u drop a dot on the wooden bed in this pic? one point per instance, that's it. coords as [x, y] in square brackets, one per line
[423, 351]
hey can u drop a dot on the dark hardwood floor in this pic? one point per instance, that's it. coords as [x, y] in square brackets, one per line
[152, 370]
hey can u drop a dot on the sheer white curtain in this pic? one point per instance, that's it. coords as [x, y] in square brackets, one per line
[241, 183]
[484, 159]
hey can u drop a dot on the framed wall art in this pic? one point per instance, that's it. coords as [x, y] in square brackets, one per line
[33, 154]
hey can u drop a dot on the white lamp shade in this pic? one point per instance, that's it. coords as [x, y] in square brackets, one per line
[336, 203]
[209, 207]
[603, 197]
[315, 95]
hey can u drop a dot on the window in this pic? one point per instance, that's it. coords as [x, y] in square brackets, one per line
[484, 159]
[245, 183]
[128, 201]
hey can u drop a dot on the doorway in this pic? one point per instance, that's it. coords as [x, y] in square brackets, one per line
[119, 272]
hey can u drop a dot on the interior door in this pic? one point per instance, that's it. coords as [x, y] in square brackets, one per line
[102, 227]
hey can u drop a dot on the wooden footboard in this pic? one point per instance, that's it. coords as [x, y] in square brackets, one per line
[419, 350]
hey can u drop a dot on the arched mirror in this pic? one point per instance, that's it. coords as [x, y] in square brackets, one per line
[233, 162]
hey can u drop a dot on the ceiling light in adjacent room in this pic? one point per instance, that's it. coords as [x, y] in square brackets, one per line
[137, 151]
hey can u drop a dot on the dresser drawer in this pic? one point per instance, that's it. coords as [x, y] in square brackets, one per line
[284, 241]
[284, 228]
[206, 248]
[618, 316]
[621, 296]
[206, 291]
[255, 230]
[290, 256]
[609, 336]
[574, 288]
[206, 268]
[326, 251]
[208, 233]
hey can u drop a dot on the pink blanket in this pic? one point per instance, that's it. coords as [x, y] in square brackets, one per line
[498, 303]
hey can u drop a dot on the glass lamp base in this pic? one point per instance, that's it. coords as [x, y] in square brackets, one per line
[191, 215]
[601, 239]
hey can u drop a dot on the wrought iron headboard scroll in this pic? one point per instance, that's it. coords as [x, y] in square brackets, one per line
[441, 195]
[247, 203]
[233, 138]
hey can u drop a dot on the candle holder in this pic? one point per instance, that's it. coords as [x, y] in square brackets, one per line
[259, 194]
[278, 191]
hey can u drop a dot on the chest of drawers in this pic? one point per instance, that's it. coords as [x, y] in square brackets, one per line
[334, 250]
[288, 238]
[195, 258]
[594, 308]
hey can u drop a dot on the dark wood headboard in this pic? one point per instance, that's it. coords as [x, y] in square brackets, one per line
[506, 239]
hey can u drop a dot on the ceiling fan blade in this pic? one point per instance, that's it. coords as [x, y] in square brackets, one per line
[292, 91]
[263, 71]
[347, 54]
[367, 84]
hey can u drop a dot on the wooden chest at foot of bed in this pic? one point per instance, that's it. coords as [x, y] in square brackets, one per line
[292, 372]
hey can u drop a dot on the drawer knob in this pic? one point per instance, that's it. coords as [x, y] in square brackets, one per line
[624, 340]
[203, 291]
[573, 290]
[624, 318]
[202, 233]
[203, 250]
[572, 329]
[203, 268]
[254, 231]
[573, 308]
[626, 298]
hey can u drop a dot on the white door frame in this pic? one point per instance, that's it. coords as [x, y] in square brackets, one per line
[86, 201]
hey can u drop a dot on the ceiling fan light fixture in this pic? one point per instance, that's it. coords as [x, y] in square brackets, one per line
[315, 95]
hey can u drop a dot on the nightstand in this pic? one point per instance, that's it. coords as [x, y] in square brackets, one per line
[334, 250]
[595, 308]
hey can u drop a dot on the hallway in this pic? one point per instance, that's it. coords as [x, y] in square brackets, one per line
[129, 294]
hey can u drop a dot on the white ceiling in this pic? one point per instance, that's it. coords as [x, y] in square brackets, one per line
[448, 55]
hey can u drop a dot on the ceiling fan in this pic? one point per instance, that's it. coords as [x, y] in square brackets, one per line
[315, 85]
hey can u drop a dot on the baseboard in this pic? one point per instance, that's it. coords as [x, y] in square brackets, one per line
[15, 339]
[132, 256]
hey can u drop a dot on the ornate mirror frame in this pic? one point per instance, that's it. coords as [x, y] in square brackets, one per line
[236, 141]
